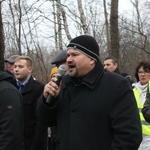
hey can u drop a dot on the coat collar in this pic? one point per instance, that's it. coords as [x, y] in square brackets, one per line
[91, 79]
[28, 86]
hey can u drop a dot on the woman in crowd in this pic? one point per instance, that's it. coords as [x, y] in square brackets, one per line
[142, 75]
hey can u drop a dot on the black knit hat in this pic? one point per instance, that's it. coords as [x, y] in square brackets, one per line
[87, 45]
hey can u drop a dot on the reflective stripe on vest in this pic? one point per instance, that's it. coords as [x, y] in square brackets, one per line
[145, 124]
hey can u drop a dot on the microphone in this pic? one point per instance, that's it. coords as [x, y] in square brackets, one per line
[61, 71]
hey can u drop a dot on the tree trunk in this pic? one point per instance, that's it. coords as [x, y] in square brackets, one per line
[106, 26]
[19, 27]
[114, 33]
[83, 18]
[65, 24]
[59, 24]
[55, 27]
[2, 45]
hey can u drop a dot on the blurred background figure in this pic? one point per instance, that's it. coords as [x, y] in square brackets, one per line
[53, 72]
[11, 114]
[10, 63]
[60, 58]
[53, 135]
[111, 64]
[129, 78]
[142, 75]
[52, 132]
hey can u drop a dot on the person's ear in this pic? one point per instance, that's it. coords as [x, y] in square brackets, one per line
[92, 61]
[30, 69]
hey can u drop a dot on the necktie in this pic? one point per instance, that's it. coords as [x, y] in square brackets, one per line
[20, 88]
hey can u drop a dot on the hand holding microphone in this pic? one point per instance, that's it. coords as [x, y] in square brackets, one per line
[61, 72]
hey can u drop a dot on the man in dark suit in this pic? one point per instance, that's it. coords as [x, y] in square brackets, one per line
[35, 135]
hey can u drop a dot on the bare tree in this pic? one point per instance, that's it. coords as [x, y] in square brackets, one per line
[142, 38]
[16, 14]
[59, 22]
[114, 33]
[65, 23]
[82, 17]
[55, 26]
[107, 26]
[41, 27]
[19, 26]
[2, 46]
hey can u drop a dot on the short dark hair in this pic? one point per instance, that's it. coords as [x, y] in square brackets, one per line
[114, 60]
[145, 65]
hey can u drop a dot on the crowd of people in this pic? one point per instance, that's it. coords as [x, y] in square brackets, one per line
[94, 107]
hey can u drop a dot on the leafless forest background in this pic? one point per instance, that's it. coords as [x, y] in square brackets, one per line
[43, 28]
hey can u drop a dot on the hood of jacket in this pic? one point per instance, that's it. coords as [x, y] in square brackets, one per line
[4, 75]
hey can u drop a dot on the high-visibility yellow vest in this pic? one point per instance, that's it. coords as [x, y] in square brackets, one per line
[145, 124]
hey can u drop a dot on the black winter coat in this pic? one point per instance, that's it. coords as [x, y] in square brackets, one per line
[97, 112]
[11, 114]
[35, 135]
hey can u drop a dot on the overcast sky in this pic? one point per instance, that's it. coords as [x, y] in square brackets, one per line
[125, 5]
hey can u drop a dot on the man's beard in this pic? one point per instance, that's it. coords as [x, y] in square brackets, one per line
[74, 74]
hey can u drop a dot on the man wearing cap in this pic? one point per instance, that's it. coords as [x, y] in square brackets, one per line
[94, 109]
[10, 63]
[60, 58]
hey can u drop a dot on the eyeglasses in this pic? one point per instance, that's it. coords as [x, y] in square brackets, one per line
[143, 72]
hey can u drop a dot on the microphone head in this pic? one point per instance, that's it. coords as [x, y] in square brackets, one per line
[62, 70]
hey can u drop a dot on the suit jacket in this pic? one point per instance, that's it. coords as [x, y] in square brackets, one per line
[35, 135]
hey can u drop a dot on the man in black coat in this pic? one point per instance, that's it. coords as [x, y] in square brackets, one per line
[35, 135]
[111, 64]
[94, 109]
[11, 114]
[54, 142]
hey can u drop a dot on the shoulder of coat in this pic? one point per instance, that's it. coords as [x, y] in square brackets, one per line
[38, 82]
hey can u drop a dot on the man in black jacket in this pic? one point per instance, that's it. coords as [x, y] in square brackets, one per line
[11, 114]
[35, 135]
[111, 64]
[54, 142]
[94, 109]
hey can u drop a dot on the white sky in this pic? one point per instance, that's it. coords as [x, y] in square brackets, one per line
[124, 5]
[125, 9]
